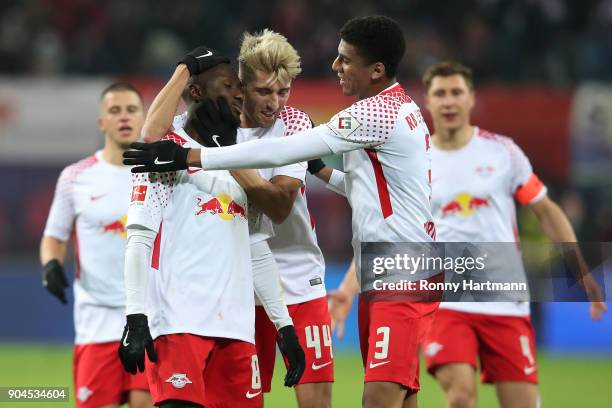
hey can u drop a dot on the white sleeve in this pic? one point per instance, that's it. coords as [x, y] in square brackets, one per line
[266, 280]
[62, 212]
[336, 182]
[267, 153]
[136, 269]
[150, 195]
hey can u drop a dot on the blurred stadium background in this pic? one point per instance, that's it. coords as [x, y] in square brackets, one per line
[543, 77]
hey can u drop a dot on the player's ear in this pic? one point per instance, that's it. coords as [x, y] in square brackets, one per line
[378, 70]
[100, 124]
[196, 93]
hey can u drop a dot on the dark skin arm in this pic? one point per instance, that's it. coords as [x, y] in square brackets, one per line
[274, 198]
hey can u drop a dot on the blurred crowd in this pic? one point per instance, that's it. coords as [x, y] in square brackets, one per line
[556, 42]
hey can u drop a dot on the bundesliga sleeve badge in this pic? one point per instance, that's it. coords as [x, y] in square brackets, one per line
[344, 124]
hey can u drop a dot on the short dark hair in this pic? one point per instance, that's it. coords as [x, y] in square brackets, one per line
[377, 39]
[446, 69]
[121, 86]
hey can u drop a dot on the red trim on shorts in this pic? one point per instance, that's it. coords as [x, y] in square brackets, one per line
[156, 245]
[381, 184]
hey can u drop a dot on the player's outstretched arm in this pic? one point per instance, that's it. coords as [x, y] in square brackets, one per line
[136, 339]
[52, 255]
[161, 112]
[341, 300]
[558, 228]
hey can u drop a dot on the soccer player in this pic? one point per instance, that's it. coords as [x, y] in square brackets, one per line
[472, 165]
[91, 203]
[384, 140]
[267, 66]
[212, 76]
[274, 196]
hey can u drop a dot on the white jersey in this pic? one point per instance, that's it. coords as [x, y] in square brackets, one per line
[387, 181]
[201, 280]
[260, 225]
[294, 245]
[474, 189]
[91, 202]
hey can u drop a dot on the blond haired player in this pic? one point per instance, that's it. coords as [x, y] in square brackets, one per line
[474, 166]
[267, 66]
[91, 204]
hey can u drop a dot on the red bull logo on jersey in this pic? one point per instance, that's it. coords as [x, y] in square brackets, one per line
[116, 227]
[464, 204]
[222, 205]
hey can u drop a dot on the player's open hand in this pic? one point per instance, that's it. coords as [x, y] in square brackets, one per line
[291, 349]
[340, 304]
[215, 123]
[156, 157]
[54, 279]
[597, 309]
[135, 341]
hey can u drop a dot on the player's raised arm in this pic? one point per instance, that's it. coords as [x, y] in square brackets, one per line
[164, 106]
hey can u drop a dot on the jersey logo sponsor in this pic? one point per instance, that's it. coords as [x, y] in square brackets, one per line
[250, 394]
[529, 370]
[116, 227]
[139, 193]
[316, 281]
[157, 161]
[316, 366]
[214, 138]
[84, 393]
[97, 197]
[192, 171]
[374, 365]
[222, 205]
[464, 204]
[344, 124]
[208, 54]
[178, 380]
[433, 348]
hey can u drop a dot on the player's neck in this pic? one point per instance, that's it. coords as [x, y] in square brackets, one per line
[378, 86]
[453, 139]
[113, 153]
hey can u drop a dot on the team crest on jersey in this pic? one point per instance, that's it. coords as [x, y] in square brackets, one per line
[178, 380]
[84, 393]
[344, 124]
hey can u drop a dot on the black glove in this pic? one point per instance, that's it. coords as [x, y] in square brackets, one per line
[135, 340]
[291, 349]
[202, 58]
[215, 123]
[54, 279]
[156, 157]
[315, 166]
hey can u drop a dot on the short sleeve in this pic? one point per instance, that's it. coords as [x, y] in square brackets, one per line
[525, 184]
[364, 125]
[151, 193]
[294, 121]
[62, 212]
